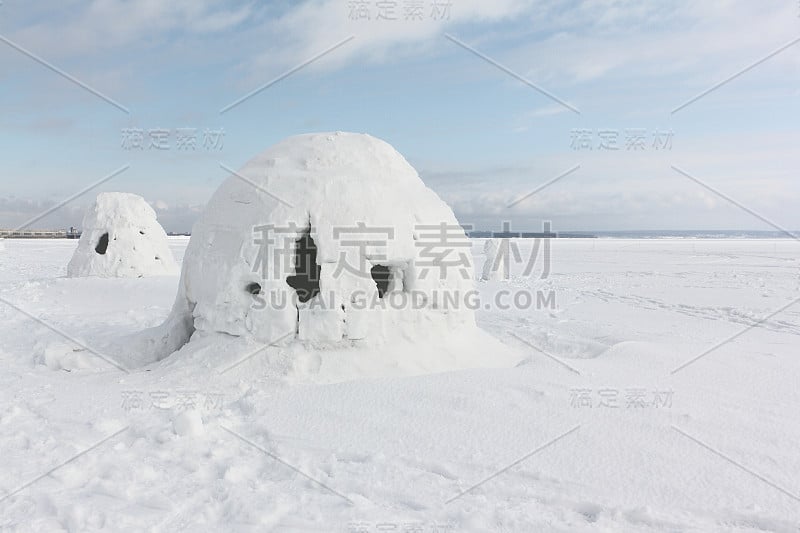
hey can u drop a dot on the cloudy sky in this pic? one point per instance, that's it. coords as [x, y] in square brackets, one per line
[488, 100]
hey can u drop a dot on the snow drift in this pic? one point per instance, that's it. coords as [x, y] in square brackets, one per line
[122, 238]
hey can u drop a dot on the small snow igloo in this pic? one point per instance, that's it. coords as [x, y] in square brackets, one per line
[324, 238]
[122, 238]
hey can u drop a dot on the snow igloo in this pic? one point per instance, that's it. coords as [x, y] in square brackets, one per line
[122, 238]
[326, 239]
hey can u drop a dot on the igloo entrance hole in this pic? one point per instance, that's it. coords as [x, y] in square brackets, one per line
[382, 276]
[102, 245]
[305, 280]
[388, 278]
[252, 288]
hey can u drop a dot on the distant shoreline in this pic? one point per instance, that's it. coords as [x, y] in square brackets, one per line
[633, 234]
[642, 234]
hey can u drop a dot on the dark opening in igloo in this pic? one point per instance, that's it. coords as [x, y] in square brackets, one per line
[382, 275]
[305, 280]
[102, 244]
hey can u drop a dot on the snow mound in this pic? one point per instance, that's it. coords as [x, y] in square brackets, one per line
[330, 240]
[122, 238]
[63, 356]
[188, 423]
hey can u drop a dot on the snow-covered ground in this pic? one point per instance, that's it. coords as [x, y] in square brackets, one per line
[601, 427]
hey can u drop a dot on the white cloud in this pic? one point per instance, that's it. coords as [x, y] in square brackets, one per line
[709, 40]
[550, 41]
[620, 190]
[105, 26]
[621, 53]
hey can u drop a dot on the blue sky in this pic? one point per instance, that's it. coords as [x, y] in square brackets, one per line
[477, 135]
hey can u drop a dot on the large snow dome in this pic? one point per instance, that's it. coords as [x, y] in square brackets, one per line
[122, 238]
[327, 238]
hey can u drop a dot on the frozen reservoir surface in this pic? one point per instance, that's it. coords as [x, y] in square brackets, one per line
[641, 402]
